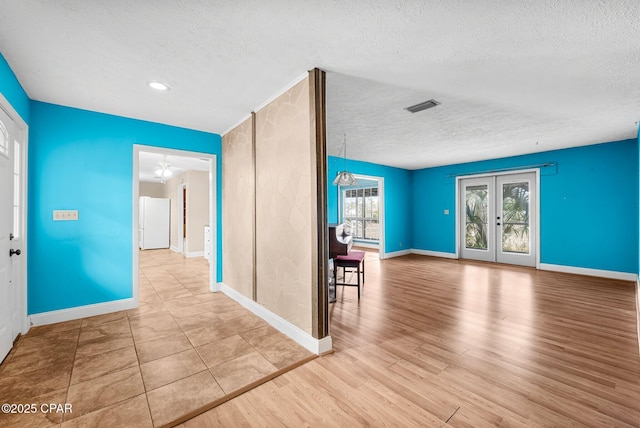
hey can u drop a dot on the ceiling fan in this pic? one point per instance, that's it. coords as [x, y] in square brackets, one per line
[163, 170]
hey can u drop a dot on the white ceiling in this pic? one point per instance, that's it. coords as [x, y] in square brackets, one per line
[149, 162]
[512, 77]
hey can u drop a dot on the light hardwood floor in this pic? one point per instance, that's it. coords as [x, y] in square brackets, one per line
[436, 342]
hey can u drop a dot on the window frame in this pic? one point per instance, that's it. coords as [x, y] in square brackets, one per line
[366, 212]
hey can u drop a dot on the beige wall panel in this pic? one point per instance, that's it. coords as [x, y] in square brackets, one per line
[284, 207]
[152, 190]
[237, 208]
[197, 209]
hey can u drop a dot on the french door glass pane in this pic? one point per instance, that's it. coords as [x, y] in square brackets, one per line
[476, 217]
[16, 189]
[16, 223]
[515, 221]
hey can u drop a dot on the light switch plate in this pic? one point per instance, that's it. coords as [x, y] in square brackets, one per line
[65, 215]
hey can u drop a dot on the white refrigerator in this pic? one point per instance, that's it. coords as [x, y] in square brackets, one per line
[154, 223]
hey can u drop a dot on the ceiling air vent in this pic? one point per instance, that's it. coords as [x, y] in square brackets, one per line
[423, 106]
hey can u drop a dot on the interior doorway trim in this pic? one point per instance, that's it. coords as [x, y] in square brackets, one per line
[459, 214]
[181, 237]
[380, 180]
[23, 317]
[213, 214]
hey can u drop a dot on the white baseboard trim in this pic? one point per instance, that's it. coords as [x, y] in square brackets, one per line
[396, 254]
[324, 345]
[434, 253]
[174, 249]
[317, 346]
[365, 245]
[195, 254]
[85, 311]
[624, 276]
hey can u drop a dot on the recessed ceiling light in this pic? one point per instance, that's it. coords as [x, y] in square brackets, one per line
[158, 86]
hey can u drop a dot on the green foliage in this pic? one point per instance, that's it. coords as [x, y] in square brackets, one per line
[515, 209]
[476, 212]
[515, 220]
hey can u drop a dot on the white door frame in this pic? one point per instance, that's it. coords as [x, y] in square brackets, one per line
[459, 215]
[181, 238]
[213, 220]
[23, 319]
[380, 180]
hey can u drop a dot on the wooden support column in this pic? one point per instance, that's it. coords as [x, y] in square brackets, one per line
[317, 100]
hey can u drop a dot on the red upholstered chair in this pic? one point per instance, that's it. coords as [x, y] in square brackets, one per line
[353, 260]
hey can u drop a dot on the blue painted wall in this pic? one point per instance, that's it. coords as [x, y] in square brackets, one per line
[13, 91]
[397, 203]
[588, 202]
[84, 160]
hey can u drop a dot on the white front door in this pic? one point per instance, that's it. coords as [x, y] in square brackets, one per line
[10, 241]
[498, 222]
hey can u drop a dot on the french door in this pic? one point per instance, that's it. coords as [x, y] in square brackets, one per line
[498, 218]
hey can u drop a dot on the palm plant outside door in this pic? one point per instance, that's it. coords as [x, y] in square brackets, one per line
[497, 222]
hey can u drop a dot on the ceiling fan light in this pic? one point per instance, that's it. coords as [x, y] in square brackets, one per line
[161, 172]
[345, 178]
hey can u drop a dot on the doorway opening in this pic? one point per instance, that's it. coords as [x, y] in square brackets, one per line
[189, 172]
[361, 209]
[498, 218]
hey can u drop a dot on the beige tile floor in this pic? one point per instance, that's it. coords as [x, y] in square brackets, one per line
[182, 349]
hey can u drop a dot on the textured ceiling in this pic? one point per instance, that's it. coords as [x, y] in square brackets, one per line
[513, 77]
[149, 162]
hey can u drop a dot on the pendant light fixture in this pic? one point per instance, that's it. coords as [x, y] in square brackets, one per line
[344, 177]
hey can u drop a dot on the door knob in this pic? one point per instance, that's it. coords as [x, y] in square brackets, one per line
[16, 252]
